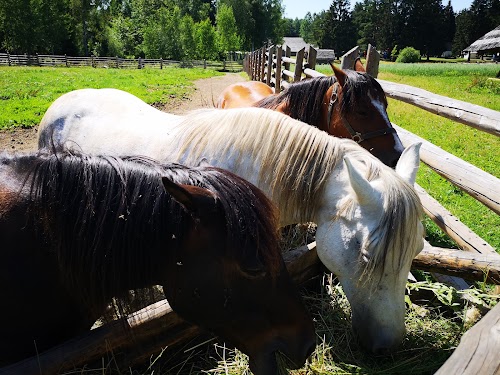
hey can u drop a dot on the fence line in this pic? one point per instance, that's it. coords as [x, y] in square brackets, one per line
[7, 59]
[279, 75]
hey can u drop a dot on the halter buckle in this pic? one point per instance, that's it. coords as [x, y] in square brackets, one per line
[357, 137]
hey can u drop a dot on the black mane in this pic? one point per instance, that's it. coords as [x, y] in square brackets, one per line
[304, 99]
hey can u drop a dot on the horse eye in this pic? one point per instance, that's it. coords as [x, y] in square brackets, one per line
[255, 273]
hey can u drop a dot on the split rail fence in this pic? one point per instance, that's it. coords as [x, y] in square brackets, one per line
[278, 69]
[157, 326]
[7, 59]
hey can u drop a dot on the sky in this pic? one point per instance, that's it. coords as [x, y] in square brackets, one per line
[299, 8]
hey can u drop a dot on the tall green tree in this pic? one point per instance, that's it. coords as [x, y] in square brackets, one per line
[18, 22]
[187, 37]
[339, 32]
[227, 32]
[206, 40]
[160, 35]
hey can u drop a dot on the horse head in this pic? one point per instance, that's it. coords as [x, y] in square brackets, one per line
[243, 292]
[370, 245]
[357, 109]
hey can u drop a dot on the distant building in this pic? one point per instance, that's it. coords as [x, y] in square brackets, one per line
[324, 56]
[489, 43]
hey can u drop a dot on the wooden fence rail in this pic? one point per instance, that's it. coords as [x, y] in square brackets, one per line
[7, 59]
[479, 184]
[482, 261]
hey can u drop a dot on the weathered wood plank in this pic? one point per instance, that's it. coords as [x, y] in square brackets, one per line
[451, 225]
[481, 118]
[347, 60]
[478, 352]
[372, 61]
[464, 264]
[479, 184]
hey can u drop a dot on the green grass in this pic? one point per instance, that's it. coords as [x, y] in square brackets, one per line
[466, 82]
[27, 92]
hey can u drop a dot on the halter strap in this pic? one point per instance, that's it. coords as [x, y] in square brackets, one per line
[356, 136]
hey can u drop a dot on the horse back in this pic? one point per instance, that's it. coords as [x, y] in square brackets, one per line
[243, 94]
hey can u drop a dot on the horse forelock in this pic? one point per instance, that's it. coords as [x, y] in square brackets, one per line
[360, 85]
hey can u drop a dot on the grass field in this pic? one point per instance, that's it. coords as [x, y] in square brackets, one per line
[27, 92]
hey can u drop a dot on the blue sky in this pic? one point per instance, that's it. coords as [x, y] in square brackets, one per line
[299, 8]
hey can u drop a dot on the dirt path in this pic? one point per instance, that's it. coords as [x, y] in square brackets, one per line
[205, 94]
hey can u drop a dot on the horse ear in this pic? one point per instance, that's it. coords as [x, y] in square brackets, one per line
[204, 163]
[408, 163]
[339, 74]
[365, 192]
[180, 194]
[358, 66]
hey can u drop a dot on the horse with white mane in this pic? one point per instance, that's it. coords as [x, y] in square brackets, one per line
[368, 216]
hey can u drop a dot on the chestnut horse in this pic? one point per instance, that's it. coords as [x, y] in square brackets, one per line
[349, 104]
[79, 230]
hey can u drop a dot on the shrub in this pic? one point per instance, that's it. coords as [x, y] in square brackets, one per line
[408, 55]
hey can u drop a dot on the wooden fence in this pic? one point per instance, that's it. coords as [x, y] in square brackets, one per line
[7, 59]
[158, 326]
[479, 261]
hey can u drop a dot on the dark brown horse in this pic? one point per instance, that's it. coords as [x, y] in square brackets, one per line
[78, 230]
[349, 104]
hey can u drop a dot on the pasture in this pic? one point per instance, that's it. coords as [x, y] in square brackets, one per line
[27, 92]
[434, 327]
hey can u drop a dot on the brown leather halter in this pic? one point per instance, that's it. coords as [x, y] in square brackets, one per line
[356, 136]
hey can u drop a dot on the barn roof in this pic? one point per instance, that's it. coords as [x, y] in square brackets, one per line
[325, 55]
[489, 42]
[295, 43]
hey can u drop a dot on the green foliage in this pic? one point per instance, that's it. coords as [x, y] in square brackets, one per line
[206, 40]
[408, 55]
[227, 32]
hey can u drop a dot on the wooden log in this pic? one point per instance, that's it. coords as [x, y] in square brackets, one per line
[464, 264]
[372, 61]
[311, 57]
[451, 225]
[478, 352]
[479, 184]
[297, 75]
[279, 55]
[349, 58]
[478, 117]
[270, 52]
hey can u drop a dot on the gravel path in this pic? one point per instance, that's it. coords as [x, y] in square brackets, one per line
[205, 95]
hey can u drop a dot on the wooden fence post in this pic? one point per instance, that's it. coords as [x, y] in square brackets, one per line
[269, 65]
[262, 63]
[204, 63]
[66, 60]
[288, 53]
[311, 57]
[37, 60]
[348, 59]
[298, 65]
[372, 61]
[279, 54]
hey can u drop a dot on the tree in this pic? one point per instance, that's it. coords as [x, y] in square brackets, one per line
[187, 37]
[339, 31]
[227, 33]
[17, 19]
[160, 39]
[206, 40]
